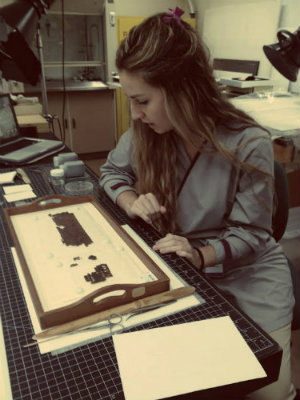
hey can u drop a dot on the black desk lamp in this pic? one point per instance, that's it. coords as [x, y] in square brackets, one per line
[18, 27]
[285, 55]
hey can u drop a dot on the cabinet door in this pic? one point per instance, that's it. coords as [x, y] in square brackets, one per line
[92, 117]
[61, 124]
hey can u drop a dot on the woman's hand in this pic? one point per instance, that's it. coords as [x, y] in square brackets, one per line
[179, 245]
[147, 207]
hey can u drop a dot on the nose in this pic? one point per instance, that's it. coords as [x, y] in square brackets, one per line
[136, 112]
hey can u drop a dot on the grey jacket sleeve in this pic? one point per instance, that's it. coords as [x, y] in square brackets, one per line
[249, 219]
[117, 174]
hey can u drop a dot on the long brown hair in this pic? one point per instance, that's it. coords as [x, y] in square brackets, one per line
[172, 56]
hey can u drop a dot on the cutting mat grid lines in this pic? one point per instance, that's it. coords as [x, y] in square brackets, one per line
[89, 372]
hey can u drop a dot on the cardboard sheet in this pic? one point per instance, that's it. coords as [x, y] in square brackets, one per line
[184, 358]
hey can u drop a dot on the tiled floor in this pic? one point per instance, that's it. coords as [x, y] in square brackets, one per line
[291, 246]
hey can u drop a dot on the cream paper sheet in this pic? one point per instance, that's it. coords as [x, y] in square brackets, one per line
[178, 359]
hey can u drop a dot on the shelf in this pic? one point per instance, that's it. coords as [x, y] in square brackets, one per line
[76, 64]
[97, 14]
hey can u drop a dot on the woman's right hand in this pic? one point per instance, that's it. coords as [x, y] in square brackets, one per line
[147, 207]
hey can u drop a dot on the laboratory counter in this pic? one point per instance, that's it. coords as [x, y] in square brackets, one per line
[70, 85]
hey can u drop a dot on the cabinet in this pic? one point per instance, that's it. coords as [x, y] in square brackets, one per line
[73, 41]
[88, 120]
[74, 55]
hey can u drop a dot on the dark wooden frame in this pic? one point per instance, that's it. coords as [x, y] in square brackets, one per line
[86, 305]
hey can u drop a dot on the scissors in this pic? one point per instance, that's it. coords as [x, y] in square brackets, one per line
[114, 323]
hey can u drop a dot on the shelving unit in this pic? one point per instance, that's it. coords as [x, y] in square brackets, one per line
[74, 52]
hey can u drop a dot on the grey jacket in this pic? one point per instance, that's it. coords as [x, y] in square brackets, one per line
[230, 210]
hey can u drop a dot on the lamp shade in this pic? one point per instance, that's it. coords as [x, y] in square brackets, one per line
[285, 55]
[17, 60]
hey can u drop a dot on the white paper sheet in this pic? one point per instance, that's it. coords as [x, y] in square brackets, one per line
[12, 197]
[5, 389]
[17, 188]
[7, 177]
[179, 359]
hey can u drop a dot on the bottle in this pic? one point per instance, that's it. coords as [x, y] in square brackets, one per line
[63, 157]
[57, 179]
[73, 169]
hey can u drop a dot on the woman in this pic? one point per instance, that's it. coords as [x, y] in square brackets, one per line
[200, 171]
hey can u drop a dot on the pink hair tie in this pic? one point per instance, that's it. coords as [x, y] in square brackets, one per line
[174, 14]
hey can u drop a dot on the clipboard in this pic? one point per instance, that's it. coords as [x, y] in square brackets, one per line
[60, 240]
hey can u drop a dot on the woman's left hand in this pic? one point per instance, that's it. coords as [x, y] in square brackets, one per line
[179, 245]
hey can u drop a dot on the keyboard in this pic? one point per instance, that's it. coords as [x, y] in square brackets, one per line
[18, 145]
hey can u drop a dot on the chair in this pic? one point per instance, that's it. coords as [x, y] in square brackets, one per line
[233, 65]
[279, 223]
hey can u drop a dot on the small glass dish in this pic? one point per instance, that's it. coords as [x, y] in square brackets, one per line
[79, 188]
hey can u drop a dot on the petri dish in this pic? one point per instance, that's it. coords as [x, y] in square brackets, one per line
[79, 188]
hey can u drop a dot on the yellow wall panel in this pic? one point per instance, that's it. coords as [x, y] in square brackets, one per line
[125, 23]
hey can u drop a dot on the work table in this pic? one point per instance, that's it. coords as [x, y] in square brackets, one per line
[32, 373]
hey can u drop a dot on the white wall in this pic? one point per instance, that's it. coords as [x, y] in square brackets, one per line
[147, 7]
[239, 29]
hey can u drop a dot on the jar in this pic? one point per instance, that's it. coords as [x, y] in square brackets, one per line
[57, 179]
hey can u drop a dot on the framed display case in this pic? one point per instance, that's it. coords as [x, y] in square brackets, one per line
[77, 260]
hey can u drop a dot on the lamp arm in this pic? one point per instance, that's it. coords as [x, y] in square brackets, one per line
[4, 55]
[40, 6]
[42, 77]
